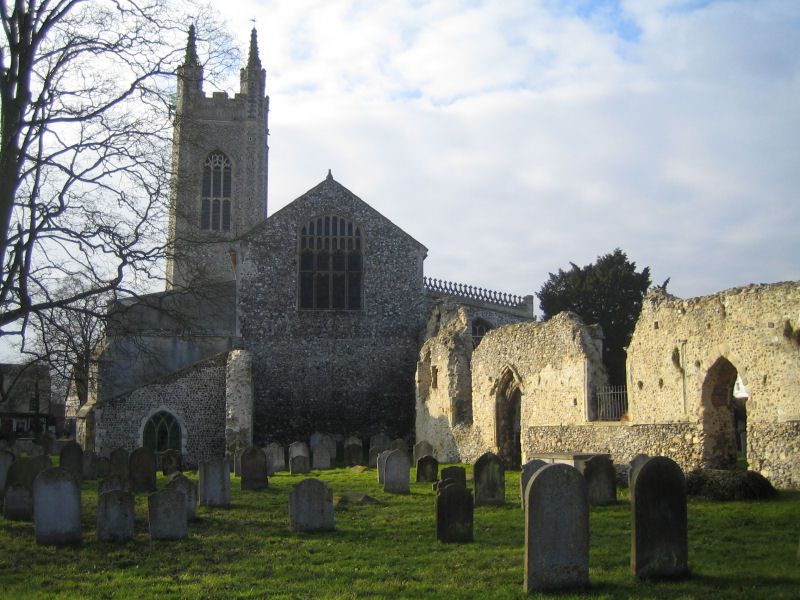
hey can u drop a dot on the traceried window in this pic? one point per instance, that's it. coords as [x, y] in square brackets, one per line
[162, 432]
[480, 328]
[330, 264]
[215, 211]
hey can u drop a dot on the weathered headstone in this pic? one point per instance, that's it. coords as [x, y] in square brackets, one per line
[353, 452]
[215, 483]
[89, 466]
[180, 482]
[6, 458]
[556, 529]
[57, 507]
[299, 465]
[321, 457]
[380, 441]
[490, 481]
[396, 473]
[382, 464]
[276, 458]
[454, 510]
[119, 462]
[527, 471]
[166, 511]
[298, 449]
[142, 470]
[427, 469]
[457, 474]
[103, 467]
[112, 483]
[636, 462]
[422, 448]
[254, 469]
[71, 459]
[399, 444]
[171, 462]
[115, 512]
[659, 542]
[601, 480]
[18, 502]
[372, 460]
[311, 506]
[323, 439]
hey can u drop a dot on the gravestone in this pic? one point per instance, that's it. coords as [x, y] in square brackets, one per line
[18, 502]
[311, 506]
[421, 449]
[490, 482]
[601, 480]
[112, 483]
[103, 467]
[215, 483]
[171, 462]
[115, 511]
[380, 441]
[321, 457]
[372, 460]
[276, 458]
[457, 474]
[89, 466]
[659, 542]
[298, 465]
[427, 469]
[254, 469]
[180, 482]
[6, 458]
[166, 513]
[528, 469]
[142, 467]
[556, 529]
[57, 508]
[382, 464]
[396, 473]
[353, 452]
[298, 449]
[399, 444]
[454, 510]
[71, 459]
[636, 462]
[119, 462]
[323, 439]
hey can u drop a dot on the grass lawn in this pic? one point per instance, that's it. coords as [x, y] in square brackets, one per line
[736, 550]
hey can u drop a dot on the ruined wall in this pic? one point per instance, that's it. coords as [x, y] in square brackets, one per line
[684, 353]
[238, 403]
[195, 396]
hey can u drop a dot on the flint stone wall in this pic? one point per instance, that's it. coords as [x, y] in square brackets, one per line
[195, 396]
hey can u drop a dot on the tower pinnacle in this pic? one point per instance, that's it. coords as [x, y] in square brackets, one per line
[191, 60]
[253, 61]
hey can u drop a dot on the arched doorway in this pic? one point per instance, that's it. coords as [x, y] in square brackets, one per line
[507, 424]
[719, 416]
[162, 432]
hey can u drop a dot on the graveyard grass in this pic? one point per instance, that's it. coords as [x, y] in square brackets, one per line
[736, 550]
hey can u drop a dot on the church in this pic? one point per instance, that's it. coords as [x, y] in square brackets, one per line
[271, 327]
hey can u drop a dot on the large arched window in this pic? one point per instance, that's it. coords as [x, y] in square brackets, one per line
[330, 264]
[162, 432]
[215, 212]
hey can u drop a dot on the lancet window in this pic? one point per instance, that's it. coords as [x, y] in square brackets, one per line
[215, 212]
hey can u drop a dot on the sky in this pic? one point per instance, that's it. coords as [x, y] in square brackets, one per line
[512, 137]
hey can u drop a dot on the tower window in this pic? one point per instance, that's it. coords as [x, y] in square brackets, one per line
[215, 208]
[330, 262]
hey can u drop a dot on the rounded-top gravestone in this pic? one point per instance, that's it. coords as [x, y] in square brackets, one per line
[180, 482]
[421, 449]
[528, 469]
[311, 506]
[380, 441]
[115, 512]
[321, 457]
[490, 482]
[166, 512]
[396, 473]
[458, 474]
[382, 464]
[142, 466]
[601, 480]
[454, 513]
[427, 469]
[215, 483]
[56, 507]
[254, 469]
[276, 458]
[353, 452]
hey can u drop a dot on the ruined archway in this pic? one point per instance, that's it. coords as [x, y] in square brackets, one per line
[507, 420]
[717, 417]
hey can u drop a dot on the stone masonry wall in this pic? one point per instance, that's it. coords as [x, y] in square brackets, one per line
[195, 396]
[238, 403]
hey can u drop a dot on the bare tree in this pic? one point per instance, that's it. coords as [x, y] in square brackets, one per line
[85, 124]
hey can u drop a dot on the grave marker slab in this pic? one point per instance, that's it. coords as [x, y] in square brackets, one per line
[382, 464]
[372, 460]
[89, 466]
[103, 467]
[490, 482]
[276, 458]
[636, 462]
[115, 511]
[298, 449]
[322, 457]
[457, 474]
[183, 484]
[396, 473]
[601, 480]
[57, 508]
[659, 540]
[528, 469]
[399, 444]
[454, 513]
[311, 506]
[556, 529]
[71, 459]
[254, 469]
[171, 462]
[18, 503]
[421, 449]
[381, 441]
[215, 483]
[112, 483]
[119, 462]
[353, 452]
[427, 469]
[142, 466]
[166, 512]
[299, 465]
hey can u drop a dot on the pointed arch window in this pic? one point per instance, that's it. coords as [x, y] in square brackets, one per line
[162, 432]
[330, 264]
[215, 210]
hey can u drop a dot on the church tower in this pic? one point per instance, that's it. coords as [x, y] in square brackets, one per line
[219, 155]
